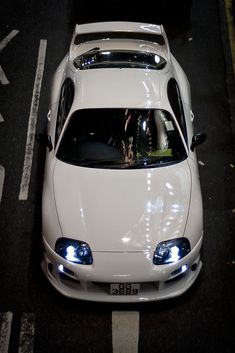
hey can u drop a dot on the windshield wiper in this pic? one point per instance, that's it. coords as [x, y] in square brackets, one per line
[142, 164]
[125, 165]
[99, 162]
[149, 162]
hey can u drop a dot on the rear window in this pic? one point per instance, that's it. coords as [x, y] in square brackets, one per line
[96, 58]
[121, 138]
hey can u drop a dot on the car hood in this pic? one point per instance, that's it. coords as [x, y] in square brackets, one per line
[122, 210]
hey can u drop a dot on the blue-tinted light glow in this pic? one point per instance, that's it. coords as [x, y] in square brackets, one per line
[74, 251]
[174, 254]
[61, 268]
[184, 268]
[71, 253]
[157, 59]
[172, 251]
[83, 250]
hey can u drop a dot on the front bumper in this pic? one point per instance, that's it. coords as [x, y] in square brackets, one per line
[92, 282]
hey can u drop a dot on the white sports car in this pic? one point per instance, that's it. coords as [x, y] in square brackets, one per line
[121, 207]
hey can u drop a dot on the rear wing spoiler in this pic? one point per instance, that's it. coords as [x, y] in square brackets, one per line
[131, 30]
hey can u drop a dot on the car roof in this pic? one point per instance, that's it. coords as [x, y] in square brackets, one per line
[120, 87]
[132, 88]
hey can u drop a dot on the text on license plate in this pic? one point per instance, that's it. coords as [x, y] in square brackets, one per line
[124, 288]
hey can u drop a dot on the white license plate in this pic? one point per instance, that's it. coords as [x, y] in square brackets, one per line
[124, 288]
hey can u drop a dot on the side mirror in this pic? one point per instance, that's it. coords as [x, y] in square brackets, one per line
[45, 140]
[197, 140]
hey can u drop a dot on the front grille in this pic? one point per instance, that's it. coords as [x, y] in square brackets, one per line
[64, 279]
[101, 287]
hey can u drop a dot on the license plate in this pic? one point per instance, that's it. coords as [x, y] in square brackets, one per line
[124, 288]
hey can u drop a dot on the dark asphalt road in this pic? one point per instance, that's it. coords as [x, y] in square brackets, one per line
[203, 318]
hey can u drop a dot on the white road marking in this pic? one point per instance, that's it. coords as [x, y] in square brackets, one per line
[8, 38]
[2, 177]
[5, 332]
[24, 186]
[3, 43]
[27, 332]
[3, 78]
[125, 331]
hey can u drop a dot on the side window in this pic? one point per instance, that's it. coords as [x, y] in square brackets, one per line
[65, 103]
[176, 104]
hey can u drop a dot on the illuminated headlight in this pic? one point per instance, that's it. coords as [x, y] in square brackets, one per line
[74, 251]
[171, 251]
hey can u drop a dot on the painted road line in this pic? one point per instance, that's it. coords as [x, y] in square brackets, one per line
[2, 177]
[1, 118]
[8, 38]
[231, 30]
[5, 332]
[3, 78]
[27, 332]
[24, 186]
[125, 331]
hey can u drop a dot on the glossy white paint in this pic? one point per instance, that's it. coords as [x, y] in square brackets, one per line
[121, 214]
[121, 88]
[91, 282]
[124, 27]
[122, 210]
[118, 26]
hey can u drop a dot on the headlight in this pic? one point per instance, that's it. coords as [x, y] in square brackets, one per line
[170, 251]
[74, 250]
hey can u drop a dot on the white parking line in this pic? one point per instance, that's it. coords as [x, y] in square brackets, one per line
[3, 78]
[27, 332]
[125, 331]
[24, 186]
[2, 177]
[5, 332]
[8, 38]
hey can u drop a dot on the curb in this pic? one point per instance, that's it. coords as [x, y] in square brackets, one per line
[229, 73]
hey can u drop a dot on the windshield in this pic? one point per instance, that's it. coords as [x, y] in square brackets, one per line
[121, 138]
[96, 58]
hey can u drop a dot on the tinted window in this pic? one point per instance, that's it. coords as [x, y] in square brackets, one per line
[176, 104]
[121, 138]
[65, 103]
[96, 58]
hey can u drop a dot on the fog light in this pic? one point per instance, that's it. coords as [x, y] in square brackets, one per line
[65, 270]
[184, 268]
[61, 268]
[180, 270]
